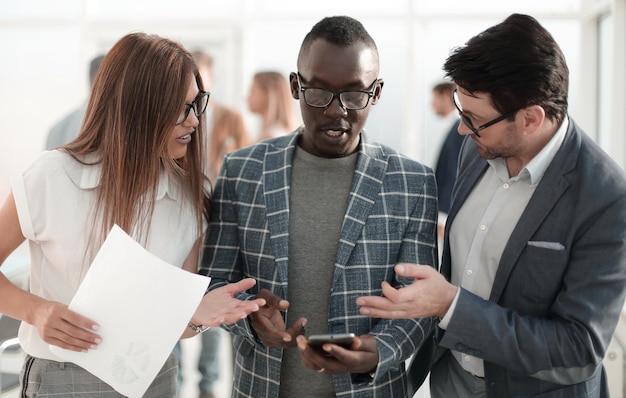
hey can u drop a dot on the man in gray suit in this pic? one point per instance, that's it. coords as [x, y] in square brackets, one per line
[535, 243]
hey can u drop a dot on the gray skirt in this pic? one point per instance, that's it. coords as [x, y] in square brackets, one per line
[44, 378]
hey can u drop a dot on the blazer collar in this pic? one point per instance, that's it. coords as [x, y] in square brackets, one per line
[370, 168]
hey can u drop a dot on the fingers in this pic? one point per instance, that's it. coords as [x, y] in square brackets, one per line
[240, 310]
[273, 301]
[58, 325]
[361, 357]
[392, 305]
[297, 329]
[414, 270]
[311, 357]
[391, 292]
[70, 341]
[269, 326]
[241, 286]
[258, 302]
[83, 323]
[219, 306]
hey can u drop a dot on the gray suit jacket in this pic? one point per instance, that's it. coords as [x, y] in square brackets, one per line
[391, 217]
[560, 285]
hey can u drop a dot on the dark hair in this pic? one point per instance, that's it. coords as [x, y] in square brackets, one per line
[339, 30]
[518, 63]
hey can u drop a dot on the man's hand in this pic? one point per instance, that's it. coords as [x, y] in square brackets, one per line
[269, 325]
[361, 357]
[429, 295]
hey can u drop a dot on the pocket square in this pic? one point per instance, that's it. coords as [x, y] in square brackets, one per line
[546, 245]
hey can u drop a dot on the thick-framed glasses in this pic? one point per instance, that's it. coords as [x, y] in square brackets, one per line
[349, 99]
[198, 105]
[468, 122]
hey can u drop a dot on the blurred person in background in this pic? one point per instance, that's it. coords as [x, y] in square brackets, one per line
[270, 98]
[226, 130]
[67, 128]
[447, 161]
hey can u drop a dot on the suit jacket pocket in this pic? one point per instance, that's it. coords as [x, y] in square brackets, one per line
[541, 271]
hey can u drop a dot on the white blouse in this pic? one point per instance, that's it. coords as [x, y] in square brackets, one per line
[54, 197]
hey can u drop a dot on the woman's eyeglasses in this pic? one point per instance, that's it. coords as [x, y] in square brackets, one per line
[199, 106]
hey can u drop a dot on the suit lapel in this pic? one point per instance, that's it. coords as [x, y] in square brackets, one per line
[366, 185]
[277, 185]
[547, 193]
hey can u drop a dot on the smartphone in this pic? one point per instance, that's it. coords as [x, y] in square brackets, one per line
[343, 339]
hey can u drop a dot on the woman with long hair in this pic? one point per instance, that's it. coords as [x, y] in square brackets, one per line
[138, 163]
[270, 98]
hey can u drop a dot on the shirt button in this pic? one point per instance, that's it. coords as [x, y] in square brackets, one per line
[466, 358]
[469, 272]
[483, 227]
[505, 185]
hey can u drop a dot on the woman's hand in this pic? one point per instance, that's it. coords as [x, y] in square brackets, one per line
[219, 306]
[59, 326]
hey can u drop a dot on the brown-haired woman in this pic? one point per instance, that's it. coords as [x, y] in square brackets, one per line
[138, 163]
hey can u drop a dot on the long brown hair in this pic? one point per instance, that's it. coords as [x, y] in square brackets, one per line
[137, 96]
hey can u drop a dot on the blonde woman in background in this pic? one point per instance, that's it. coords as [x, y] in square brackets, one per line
[271, 99]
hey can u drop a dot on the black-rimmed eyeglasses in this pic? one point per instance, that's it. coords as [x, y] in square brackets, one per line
[468, 122]
[349, 99]
[199, 106]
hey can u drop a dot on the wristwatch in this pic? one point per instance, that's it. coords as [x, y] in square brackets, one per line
[198, 328]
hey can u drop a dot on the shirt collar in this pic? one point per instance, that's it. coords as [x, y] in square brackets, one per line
[90, 178]
[538, 164]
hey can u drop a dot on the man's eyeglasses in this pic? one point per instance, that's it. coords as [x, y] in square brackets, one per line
[350, 99]
[199, 106]
[467, 121]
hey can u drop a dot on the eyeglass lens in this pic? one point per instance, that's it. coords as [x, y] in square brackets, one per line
[465, 119]
[320, 98]
[199, 106]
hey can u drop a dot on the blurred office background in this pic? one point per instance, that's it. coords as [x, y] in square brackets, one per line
[47, 45]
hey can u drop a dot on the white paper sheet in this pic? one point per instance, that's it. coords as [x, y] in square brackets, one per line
[142, 305]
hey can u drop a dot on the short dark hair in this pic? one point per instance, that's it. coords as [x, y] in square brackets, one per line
[518, 63]
[339, 30]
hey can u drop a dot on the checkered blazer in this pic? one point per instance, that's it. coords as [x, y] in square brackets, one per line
[391, 217]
